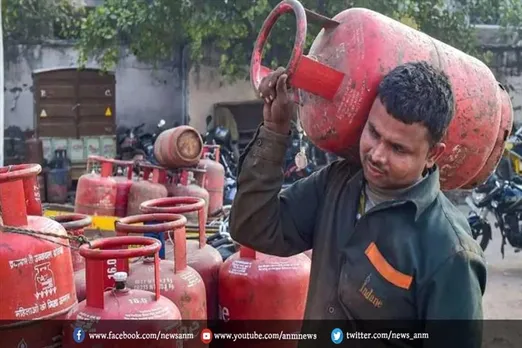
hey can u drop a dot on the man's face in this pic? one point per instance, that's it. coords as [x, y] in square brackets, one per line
[394, 154]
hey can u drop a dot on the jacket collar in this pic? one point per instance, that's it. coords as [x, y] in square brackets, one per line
[420, 195]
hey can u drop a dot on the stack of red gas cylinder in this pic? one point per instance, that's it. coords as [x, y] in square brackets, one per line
[184, 284]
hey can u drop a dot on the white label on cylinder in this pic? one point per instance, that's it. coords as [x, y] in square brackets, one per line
[239, 267]
[278, 266]
[166, 284]
[153, 313]
[191, 278]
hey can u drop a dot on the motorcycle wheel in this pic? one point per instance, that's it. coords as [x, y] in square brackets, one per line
[482, 230]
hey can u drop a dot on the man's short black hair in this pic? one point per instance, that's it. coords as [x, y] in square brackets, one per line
[417, 92]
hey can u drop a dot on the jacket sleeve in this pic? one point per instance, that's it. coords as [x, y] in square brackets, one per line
[452, 302]
[262, 217]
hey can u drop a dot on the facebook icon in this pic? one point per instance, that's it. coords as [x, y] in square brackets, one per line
[78, 335]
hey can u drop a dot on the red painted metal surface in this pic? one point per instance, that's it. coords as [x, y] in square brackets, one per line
[75, 224]
[309, 253]
[255, 286]
[123, 185]
[36, 273]
[178, 147]
[150, 187]
[337, 83]
[120, 309]
[215, 179]
[33, 199]
[96, 193]
[205, 259]
[506, 124]
[179, 282]
[187, 186]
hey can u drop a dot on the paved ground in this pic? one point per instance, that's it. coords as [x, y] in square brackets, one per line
[503, 297]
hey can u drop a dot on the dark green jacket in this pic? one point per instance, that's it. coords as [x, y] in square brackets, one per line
[412, 258]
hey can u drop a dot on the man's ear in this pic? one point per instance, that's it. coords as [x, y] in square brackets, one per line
[434, 154]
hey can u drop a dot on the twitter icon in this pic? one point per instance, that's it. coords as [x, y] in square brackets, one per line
[337, 336]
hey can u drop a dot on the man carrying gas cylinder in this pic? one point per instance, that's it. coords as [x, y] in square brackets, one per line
[387, 244]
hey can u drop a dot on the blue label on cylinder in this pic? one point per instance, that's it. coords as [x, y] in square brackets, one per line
[158, 236]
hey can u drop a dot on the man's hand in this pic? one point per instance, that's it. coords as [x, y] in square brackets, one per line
[278, 108]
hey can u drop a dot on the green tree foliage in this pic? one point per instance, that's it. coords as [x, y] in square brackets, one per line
[35, 20]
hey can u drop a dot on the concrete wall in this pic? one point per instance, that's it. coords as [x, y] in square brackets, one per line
[142, 93]
[506, 62]
[205, 87]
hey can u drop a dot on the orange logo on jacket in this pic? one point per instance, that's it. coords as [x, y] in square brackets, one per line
[368, 294]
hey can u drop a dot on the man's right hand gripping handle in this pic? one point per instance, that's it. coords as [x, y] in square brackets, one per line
[262, 218]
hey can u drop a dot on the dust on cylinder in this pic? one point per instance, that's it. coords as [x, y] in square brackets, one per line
[185, 185]
[124, 180]
[178, 147]
[247, 277]
[215, 177]
[119, 308]
[37, 268]
[337, 84]
[179, 283]
[205, 259]
[152, 185]
[96, 193]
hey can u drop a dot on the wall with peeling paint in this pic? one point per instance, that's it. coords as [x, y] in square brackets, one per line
[206, 87]
[142, 93]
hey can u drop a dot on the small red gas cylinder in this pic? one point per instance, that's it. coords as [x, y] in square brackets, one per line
[35, 270]
[187, 186]
[337, 82]
[202, 257]
[96, 193]
[123, 185]
[215, 179]
[147, 188]
[121, 313]
[74, 224]
[178, 147]
[179, 282]
[256, 287]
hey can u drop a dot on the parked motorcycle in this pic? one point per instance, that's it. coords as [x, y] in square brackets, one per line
[135, 144]
[503, 199]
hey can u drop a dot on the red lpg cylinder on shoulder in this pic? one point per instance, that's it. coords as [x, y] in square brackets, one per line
[75, 224]
[255, 286]
[215, 179]
[187, 186]
[36, 270]
[96, 193]
[179, 283]
[337, 82]
[202, 257]
[147, 188]
[120, 310]
[123, 185]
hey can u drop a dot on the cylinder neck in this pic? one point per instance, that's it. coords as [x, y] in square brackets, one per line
[106, 169]
[247, 253]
